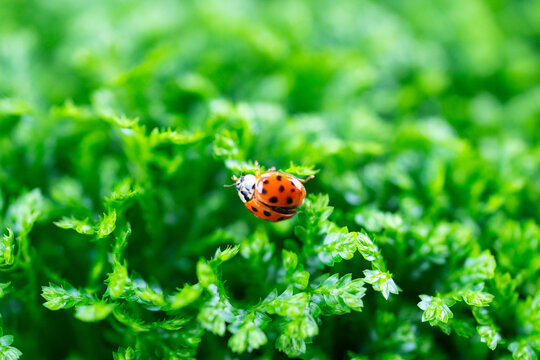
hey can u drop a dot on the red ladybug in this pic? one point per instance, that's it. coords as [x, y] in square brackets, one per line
[273, 195]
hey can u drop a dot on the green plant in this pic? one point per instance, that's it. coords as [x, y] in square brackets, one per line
[419, 238]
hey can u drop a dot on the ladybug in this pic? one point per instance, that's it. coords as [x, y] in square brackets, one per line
[273, 195]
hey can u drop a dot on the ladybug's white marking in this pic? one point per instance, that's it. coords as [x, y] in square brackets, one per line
[296, 183]
[246, 187]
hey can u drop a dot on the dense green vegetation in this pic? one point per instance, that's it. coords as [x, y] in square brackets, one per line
[120, 122]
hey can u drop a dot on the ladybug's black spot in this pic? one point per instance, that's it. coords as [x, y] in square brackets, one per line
[281, 188]
[289, 200]
[281, 218]
[273, 199]
[254, 209]
[265, 181]
[263, 191]
[278, 177]
[292, 190]
[267, 213]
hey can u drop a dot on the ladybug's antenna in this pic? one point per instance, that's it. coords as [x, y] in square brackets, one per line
[306, 179]
[235, 179]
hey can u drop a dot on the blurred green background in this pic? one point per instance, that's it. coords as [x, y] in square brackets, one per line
[422, 117]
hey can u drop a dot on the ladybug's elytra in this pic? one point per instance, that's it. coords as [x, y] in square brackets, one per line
[273, 195]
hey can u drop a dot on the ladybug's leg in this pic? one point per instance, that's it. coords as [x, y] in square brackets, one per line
[258, 169]
[306, 179]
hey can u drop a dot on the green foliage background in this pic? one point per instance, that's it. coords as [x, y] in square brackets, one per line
[120, 121]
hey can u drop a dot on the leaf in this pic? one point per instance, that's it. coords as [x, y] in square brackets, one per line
[12, 106]
[287, 304]
[158, 137]
[340, 295]
[118, 280]
[477, 298]
[522, 350]
[214, 316]
[187, 295]
[6, 340]
[125, 354]
[300, 279]
[122, 192]
[226, 254]
[375, 221]
[257, 246]
[93, 312]
[150, 296]
[59, 298]
[366, 247]
[338, 245]
[206, 274]
[122, 121]
[127, 319]
[435, 310]
[301, 170]
[292, 341]
[292, 346]
[80, 226]
[121, 241]
[479, 268]
[489, 335]
[173, 324]
[290, 260]
[4, 289]
[382, 282]
[225, 145]
[248, 338]
[24, 212]
[248, 332]
[7, 249]
[8, 352]
[106, 225]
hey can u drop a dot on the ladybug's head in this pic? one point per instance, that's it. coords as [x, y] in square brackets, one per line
[246, 187]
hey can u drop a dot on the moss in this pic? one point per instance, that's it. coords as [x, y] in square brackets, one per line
[120, 123]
